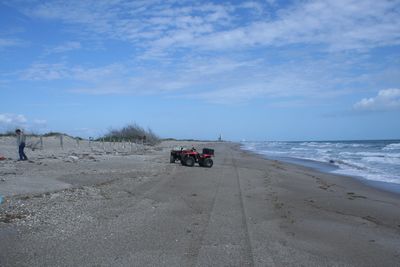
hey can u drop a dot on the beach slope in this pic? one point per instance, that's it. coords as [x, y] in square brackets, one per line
[141, 210]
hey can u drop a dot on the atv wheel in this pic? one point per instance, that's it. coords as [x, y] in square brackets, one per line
[189, 161]
[171, 159]
[208, 163]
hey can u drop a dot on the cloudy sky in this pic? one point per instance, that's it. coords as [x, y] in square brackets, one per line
[254, 70]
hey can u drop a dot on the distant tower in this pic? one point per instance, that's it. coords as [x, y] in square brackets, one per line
[220, 138]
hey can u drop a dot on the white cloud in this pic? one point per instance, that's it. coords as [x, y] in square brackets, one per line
[46, 72]
[249, 80]
[62, 71]
[6, 42]
[271, 2]
[339, 25]
[67, 46]
[40, 122]
[12, 119]
[234, 73]
[336, 24]
[388, 99]
[163, 79]
[10, 122]
[218, 80]
[97, 74]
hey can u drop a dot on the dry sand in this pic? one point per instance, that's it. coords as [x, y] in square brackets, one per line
[128, 206]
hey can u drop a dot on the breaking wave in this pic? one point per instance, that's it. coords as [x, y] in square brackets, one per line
[373, 160]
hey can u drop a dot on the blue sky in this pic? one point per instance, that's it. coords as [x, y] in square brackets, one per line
[254, 70]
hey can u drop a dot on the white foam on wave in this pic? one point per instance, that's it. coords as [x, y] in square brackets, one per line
[394, 146]
[371, 160]
[316, 144]
[369, 154]
[384, 160]
[323, 151]
[357, 145]
[268, 152]
[350, 164]
[273, 144]
[317, 159]
[300, 149]
[366, 171]
[372, 176]
[249, 146]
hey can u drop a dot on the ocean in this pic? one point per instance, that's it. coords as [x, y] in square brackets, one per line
[374, 160]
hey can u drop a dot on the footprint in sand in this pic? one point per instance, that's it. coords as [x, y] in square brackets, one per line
[371, 219]
[352, 196]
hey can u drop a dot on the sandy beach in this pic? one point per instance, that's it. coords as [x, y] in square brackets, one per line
[103, 204]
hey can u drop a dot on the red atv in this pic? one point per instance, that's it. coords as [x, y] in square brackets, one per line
[188, 157]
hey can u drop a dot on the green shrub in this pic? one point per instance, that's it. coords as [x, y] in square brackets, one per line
[131, 132]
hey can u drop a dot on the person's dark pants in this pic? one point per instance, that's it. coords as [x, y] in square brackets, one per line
[22, 155]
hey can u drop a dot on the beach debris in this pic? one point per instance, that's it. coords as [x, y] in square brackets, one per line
[10, 217]
[74, 158]
[1, 199]
[371, 219]
[352, 196]
[33, 145]
[2, 157]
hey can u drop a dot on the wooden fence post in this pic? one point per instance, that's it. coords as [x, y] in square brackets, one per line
[62, 141]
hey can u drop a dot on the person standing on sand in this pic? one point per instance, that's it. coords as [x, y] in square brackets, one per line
[21, 144]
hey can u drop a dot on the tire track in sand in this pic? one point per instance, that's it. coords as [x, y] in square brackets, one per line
[193, 250]
[204, 248]
[248, 250]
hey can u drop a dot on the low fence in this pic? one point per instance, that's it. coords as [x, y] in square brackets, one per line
[67, 143]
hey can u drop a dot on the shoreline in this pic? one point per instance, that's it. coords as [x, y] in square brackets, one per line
[141, 210]
[324, 167]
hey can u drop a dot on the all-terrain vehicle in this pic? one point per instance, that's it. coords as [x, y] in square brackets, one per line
[188, 157]
[176, 153]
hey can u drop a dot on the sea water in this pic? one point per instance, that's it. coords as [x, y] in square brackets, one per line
[374, 160]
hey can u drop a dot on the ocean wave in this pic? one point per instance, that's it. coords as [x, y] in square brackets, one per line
[269, 152]
[357, 145]
[299, 149]
[316, 144]
[394, 146]
[323, 151]
[385, 160]
[332, 145]
[274, 144]
[369, 154]
[372, 176]
[373, 160]
[351, 164]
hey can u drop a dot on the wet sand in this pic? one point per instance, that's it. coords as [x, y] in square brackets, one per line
[137, 209]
